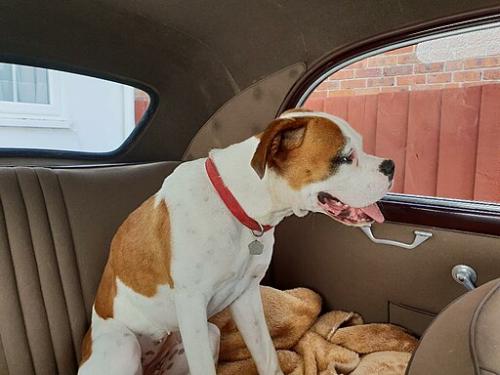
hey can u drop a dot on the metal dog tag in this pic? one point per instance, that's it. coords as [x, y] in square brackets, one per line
[256, 247]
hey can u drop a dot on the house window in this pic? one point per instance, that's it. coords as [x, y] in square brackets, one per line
[24, 84]
[433, 107]
[30, 97]
[49, 109]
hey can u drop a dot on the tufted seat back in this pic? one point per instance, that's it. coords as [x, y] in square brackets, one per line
[55, 229]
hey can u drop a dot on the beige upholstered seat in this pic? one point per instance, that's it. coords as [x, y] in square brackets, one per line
[55, 228]
[465, 338]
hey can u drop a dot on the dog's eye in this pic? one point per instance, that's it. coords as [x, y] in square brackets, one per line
[345, 159]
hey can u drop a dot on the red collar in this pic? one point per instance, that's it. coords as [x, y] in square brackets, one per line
[230, 201]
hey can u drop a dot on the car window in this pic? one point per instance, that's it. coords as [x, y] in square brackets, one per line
[49, 109]
[433, 107]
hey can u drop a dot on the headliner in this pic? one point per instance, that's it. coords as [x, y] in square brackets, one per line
[197, 54]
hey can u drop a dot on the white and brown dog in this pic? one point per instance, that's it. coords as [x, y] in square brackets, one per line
[204, 241]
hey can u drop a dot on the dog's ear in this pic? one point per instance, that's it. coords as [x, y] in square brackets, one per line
[281, 136]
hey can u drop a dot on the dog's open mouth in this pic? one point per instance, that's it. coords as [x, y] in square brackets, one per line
[349, 215]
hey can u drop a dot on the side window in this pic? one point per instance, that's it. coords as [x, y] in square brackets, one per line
[433, 107]
[48, 109]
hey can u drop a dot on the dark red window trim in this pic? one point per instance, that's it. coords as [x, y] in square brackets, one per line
[434, 215]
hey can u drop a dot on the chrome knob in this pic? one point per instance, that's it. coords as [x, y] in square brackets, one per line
[465, 275]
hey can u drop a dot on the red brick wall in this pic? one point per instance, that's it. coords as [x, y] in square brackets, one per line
[400, 70]
[141, 104]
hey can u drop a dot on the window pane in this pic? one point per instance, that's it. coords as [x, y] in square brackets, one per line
[41, 86]
[32, 85]
[6, 86]
[48, 109]
[433, 108]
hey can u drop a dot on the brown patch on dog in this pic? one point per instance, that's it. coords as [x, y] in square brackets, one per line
[141, 249]
[106, 292]
[86, 346]
[274, 141]
[300, 109]
[300, 149]
[140, 256]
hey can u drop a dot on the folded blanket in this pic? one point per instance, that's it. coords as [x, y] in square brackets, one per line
[289, 314]
[336, 343]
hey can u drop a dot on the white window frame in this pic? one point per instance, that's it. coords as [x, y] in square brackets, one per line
[34, 115]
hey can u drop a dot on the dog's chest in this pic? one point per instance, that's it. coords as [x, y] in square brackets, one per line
[247, 270]
[209, 246]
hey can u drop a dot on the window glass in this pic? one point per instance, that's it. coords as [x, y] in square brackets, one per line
[48, 109]
[24, 84]
[433, 107]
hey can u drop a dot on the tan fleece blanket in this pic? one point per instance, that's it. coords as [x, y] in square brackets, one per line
[337, 343]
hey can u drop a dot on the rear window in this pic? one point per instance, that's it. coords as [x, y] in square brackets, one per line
[54, 110]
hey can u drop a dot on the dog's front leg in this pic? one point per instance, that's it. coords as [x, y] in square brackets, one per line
[248, 314]
[191, 311]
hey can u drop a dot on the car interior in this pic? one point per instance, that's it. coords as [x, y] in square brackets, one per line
[217, 73]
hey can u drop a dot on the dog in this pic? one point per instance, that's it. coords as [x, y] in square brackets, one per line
[204, 241]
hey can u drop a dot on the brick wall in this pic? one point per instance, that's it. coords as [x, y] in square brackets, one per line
[401, 70]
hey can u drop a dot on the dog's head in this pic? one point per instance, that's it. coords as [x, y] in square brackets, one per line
[319, 159]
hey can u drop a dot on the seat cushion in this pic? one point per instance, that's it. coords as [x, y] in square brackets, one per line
[55, 229]
[464, 339]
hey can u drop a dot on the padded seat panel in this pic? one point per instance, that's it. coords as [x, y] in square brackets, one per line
[55, 229]
[464, 339]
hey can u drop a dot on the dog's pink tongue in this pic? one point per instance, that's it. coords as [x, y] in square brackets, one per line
[374, 212]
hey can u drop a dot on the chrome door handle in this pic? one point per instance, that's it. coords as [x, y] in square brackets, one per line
[465, 275]
[420, 236]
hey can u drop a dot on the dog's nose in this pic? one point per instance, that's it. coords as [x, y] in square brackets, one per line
[387, 168]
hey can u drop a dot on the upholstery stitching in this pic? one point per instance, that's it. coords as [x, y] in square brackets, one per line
[7, 236]
[36, 264]
[72, 242]
[49, 221]
[4, 355]
[472, 330]
[413, 309]
[488, 370]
